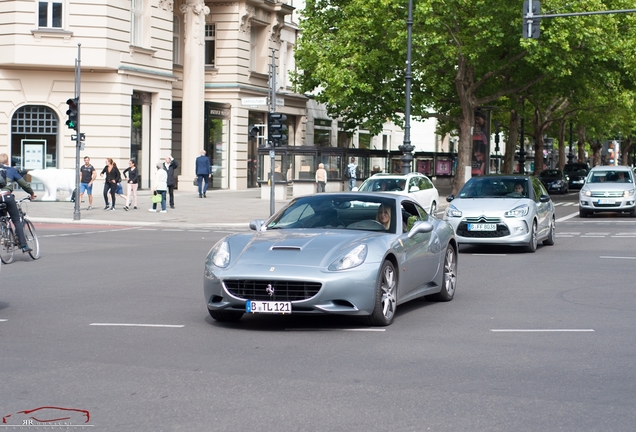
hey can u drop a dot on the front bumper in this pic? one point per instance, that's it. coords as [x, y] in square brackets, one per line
[348, 292]
[600, 204]
[510, 231]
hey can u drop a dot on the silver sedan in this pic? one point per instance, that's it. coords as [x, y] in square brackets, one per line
[513, 210]
[359, 254]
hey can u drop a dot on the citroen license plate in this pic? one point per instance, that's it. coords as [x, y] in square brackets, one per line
[271, 307]
[482, 227]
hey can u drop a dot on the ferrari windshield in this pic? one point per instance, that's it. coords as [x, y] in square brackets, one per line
[335, 211]
[495, 187]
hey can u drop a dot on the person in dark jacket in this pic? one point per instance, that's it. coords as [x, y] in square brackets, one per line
[7, 197]
[113, 177]
[203, 173]
[132, 175]
[170, 165]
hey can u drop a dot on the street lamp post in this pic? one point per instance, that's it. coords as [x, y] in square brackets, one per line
[522, 150]
[497, 143]
[407, 148]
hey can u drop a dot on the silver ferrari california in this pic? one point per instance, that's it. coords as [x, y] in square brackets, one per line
[513, 210]
[360, 254]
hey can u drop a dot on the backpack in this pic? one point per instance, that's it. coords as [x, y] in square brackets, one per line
[3, 177]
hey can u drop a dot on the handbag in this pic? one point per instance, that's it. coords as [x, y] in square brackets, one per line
[156, 198]
[196, 181]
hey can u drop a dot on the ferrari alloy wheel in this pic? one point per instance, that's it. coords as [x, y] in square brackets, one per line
[449, 281]
[532, 243]
[385, 296]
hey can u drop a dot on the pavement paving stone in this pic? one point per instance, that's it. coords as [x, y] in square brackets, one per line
[222, 209]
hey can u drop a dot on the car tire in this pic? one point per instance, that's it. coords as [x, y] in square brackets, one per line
[225, 316]
[385, 296]
[633, 212]
[582, 213]
[551, 234]
[532, 243]
[433, 208]
[449, 278]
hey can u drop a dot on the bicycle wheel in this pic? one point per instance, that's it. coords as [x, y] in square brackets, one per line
[32, 239]
[7, 242]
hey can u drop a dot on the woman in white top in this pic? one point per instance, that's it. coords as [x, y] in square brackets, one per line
[160, 185]
[321, 178]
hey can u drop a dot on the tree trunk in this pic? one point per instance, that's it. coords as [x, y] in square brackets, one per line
[580, 133]
[539, 129]
[511, 143]
[467, 101]
[561, 139]
[596, 146]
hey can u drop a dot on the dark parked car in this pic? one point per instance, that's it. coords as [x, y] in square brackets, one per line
[576, 173]
[554, 180]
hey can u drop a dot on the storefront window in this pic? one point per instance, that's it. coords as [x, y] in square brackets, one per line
[322, 137]
[304, 167]
[281, 168]
[425, 166]
[333, 165]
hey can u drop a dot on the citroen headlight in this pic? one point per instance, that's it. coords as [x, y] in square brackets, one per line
[351, 259]
[586, 192]
[628, 193]
[220, 254]
[452, 211]
[520, 211]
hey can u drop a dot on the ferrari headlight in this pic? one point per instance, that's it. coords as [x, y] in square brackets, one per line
[628, 192]
[520, 211]
[452, 211]
[220, 254]
[351, 259]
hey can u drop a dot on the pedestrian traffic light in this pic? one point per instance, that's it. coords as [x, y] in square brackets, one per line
[72, 113]
[276, 128]
[531, 24]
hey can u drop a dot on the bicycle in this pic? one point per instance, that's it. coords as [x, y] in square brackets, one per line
[9, 241]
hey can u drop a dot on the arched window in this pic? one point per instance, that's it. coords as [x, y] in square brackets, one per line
[34, 130]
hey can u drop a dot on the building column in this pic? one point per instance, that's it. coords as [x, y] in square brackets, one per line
[193, 118]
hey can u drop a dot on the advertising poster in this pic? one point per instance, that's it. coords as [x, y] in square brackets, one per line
[481, 143]
[32, 155]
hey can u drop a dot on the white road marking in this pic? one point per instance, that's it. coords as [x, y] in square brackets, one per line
[343, 330]
[564, 218]
[202, 231]
[617, 257]
[539, 330]
[135, 325]
[173, 230]
[148, 229]
[493, 255]
[3, 320]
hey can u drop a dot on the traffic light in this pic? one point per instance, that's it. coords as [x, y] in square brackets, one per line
[253, 131]
[72, 113]
[276, 128]
[533, 29]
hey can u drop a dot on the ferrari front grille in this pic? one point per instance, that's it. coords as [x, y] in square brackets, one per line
[272, 289]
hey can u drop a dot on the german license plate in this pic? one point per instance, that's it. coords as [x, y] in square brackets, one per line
[606, 201]
[482, 227]
[271, 307]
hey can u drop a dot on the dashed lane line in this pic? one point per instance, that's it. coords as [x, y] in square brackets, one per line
[136, 325]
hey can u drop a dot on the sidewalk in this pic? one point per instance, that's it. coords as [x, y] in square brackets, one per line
[221, 209]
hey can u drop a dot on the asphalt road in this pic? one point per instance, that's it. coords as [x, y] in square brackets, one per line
[112, 321]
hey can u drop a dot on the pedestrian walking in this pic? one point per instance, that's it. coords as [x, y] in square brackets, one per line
[203, 173]
[160, 185]
[321, 178]
[132, 180]
[88, 174]
[169, 166]
[113, 177]
[352, 173]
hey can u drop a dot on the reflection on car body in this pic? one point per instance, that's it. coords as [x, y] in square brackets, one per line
[330, 253]
[492, 210]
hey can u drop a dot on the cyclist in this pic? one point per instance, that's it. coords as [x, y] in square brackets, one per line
[6, 196]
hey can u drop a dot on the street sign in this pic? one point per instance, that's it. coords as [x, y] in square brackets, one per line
[253, 101]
